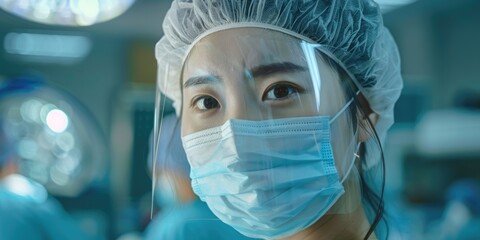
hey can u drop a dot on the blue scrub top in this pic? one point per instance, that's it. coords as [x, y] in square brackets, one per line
[192, 221]
[32, 217]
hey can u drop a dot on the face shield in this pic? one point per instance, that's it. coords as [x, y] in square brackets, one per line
[269, 126]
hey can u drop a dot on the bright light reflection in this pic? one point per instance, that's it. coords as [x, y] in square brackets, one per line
[45, 110]
[42, 11]
[24, 187]
[89, 8]
[57, 120]
[23, 4]
[47, 45]
[67, 12]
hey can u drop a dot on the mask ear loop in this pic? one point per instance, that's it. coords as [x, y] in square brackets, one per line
[347, 105]
[355, 156]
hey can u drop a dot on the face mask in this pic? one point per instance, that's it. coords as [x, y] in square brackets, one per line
[165, 194]
[266, 179]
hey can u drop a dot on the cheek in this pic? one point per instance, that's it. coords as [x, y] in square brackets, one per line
[185, 129]
[188, 125]
[343, 142]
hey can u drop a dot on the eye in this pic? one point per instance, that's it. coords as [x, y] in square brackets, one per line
[204, 103]
[281, 91]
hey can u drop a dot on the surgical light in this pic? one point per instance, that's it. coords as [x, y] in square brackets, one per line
[57, 120]
[67, 12]
[58, 142]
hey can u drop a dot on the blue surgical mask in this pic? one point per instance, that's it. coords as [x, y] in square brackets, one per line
[267, 179]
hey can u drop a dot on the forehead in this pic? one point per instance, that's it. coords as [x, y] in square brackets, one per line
[243, 48]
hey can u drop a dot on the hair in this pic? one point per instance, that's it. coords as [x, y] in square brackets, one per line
[372, 198]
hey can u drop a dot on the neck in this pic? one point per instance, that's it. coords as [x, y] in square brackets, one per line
[352, 225]
[345, 220]
[183, 188]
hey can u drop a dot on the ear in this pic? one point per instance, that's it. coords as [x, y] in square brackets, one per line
[363, 123]
[363, 134]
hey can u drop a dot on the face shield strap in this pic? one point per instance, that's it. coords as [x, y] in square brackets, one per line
[343, 109]
[355, 154]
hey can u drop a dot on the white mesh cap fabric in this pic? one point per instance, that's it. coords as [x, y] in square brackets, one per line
[351, 31]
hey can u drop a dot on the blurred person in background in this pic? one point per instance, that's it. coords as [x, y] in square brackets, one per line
[461, 217]
[182, 215]
[27, 211]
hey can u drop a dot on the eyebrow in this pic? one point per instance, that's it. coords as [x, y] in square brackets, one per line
[258, 71]
[274, 68]
[199, 80]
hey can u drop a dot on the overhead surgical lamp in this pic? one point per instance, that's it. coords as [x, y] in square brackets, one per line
[57, 140]
[67, 12]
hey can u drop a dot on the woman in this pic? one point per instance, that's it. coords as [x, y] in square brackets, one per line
[284, 105]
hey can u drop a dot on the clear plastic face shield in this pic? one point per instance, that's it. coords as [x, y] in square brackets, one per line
[269, 126]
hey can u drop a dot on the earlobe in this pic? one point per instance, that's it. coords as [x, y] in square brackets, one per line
[363, 134]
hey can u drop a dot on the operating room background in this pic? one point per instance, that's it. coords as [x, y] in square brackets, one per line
[434, 143]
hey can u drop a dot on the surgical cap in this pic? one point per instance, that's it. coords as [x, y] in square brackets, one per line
[351, 32]
[171, 155]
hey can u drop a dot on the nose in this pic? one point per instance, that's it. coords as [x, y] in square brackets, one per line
[243, 103]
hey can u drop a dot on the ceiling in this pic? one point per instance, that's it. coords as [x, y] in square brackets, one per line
[144, 18]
